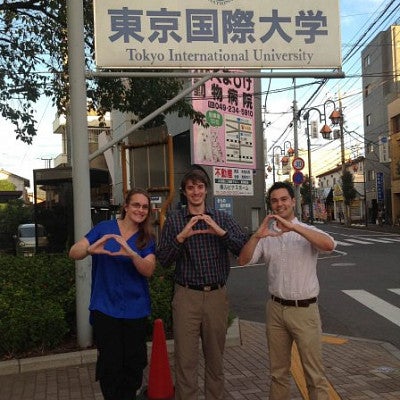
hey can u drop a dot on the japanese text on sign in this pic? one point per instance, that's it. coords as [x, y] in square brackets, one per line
[207, 34]
[233, 182]
[228, 139]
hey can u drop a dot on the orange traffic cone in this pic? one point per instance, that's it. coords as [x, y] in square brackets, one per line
[160, 385]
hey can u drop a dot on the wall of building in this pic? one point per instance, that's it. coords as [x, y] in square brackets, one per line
[394, 123]
[379, 89]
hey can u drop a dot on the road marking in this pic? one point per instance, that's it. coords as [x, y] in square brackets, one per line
[397, 291]
[378, 240]
[333, 339]
[344, 264]
[343, 243]
[298, 376]
[376, 304]
[358, 241]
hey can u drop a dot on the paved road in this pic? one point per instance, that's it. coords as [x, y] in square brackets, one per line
[360, 286]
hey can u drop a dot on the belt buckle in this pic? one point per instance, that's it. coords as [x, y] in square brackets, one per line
[207, 288]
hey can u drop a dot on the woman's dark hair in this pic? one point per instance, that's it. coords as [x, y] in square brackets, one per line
[146, 233]
[195, 174]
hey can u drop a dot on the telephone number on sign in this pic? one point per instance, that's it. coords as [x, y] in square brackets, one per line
[230, 109]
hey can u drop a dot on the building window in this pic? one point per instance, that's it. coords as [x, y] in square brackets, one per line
[371, 175]
[367, 60]
[396, 124]
[367, 90]
[368, 120]
[370, 147]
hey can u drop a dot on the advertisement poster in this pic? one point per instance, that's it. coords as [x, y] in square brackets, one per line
[228, 139]
[233, 182]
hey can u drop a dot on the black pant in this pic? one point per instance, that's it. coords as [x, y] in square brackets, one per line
[122, 355]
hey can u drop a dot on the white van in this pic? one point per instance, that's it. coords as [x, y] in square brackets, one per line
[25, 239]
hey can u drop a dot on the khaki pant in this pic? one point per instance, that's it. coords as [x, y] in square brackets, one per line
[302, 325]
[198, 314]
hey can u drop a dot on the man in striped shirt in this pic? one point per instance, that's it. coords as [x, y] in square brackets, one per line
[197, 239]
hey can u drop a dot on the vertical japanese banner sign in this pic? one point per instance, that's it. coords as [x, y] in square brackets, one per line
[380, 187]
[228, 137]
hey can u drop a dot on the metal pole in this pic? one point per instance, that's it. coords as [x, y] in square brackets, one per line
[80, 163]
[309, 174]
[273, 164]
[297, 194]
[342, 158]
[149, 117]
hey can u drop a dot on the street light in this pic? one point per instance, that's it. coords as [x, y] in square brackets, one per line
[325, 131]
[282, 152]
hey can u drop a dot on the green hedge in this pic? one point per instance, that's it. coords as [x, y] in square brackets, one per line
[37, 302]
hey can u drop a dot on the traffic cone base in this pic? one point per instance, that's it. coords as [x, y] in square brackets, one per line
[160, 386]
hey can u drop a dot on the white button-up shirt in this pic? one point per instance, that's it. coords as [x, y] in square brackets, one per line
[292, 264]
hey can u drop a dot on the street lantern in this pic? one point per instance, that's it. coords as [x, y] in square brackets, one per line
[286, 152]
[285, 161]
[290, 152]
[336, 117]
[326, 132]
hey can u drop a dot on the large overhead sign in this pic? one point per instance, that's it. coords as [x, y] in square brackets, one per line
[197, 34]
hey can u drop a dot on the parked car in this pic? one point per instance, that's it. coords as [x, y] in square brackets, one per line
[25, 239]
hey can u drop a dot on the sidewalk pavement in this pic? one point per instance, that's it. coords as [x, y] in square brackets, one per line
[357, 369]
[385, 228]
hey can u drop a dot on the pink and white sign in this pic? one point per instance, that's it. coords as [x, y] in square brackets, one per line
[229, 138]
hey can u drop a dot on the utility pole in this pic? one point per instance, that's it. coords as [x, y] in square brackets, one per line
[342, 156]
[296, 152]
[80, 164]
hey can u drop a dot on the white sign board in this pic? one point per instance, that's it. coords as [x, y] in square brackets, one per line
[233, 182]
[223, 34]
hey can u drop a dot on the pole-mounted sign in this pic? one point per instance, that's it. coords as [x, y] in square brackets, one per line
[298, 163]
[298, 178]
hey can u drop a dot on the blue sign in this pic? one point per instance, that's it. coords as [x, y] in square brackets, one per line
[224, 204]
[298, 178]
[380, 187]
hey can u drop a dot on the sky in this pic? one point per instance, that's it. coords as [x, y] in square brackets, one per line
[355, 17]
[20, 158]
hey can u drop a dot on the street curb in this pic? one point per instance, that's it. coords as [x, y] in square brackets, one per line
[9, 367]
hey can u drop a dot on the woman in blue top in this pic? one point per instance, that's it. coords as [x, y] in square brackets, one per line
[122, 259]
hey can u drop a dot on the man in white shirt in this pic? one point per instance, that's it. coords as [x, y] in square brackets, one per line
[290, 249]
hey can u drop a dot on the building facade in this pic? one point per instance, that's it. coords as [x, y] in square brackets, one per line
[330, 195]
[381, 87]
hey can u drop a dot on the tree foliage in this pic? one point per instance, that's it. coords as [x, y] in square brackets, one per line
[34, 62]
[15, 212]
[349, 192]
[305, 190]
[6, 185]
